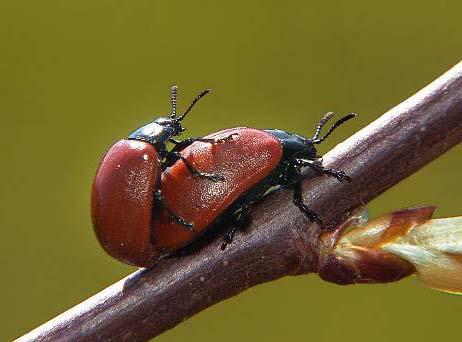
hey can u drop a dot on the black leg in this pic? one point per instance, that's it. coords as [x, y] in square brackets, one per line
[240, 222]
[339, 175]
[180, 220]
[159, 198]
[320, 170]
[214, 177]
[173, 157]
[298, 201]
[180, 145]
[228, 237]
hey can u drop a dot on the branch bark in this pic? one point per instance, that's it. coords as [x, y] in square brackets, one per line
[280, 241]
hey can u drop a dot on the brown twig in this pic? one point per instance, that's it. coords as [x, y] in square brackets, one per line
[280, 241]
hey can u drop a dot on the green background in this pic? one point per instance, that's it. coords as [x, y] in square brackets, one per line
[77, 75]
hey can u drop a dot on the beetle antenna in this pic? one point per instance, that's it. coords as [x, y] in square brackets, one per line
[173, 93]
[198, 97]
[334, 126]
[321, 124]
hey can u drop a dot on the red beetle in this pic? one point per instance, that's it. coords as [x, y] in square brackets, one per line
[127, 183]
[251, 163]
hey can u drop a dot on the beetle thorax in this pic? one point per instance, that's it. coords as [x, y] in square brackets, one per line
[171, 125]
[158, 132]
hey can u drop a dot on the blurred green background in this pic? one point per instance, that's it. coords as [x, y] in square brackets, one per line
[77, 75]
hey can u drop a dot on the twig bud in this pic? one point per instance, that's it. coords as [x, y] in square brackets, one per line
[394, 246]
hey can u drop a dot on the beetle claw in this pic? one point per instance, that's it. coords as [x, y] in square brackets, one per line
[228, 238]
[224, 244]
[310, 214]
[225, 139]
[341, 176]
[214, 177]
[188, 225]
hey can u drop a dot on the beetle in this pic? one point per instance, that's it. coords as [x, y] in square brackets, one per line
[126, 185]
[252, 163]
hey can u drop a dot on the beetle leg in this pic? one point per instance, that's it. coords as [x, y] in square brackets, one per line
[180, 220]
[240, 222]
[217, 141]
[316, 166]
[180, 145]
[159, 198]
[173, 157]
[298, 200]
[174, 141]
[228, 237]
[214, 177]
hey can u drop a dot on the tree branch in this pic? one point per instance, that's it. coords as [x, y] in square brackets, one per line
[280, 241]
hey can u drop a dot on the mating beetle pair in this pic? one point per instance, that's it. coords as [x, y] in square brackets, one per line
[148, 201]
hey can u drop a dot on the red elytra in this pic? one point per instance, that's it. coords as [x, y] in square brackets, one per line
[122, 200]
[123, 192]
[243, 162]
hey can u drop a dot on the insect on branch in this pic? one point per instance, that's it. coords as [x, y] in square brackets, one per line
[280, 241]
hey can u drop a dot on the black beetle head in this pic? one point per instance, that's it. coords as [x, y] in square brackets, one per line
[162, 129]
[175, 121]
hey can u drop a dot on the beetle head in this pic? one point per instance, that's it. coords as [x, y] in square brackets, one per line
[173, 120]
[162, 129]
